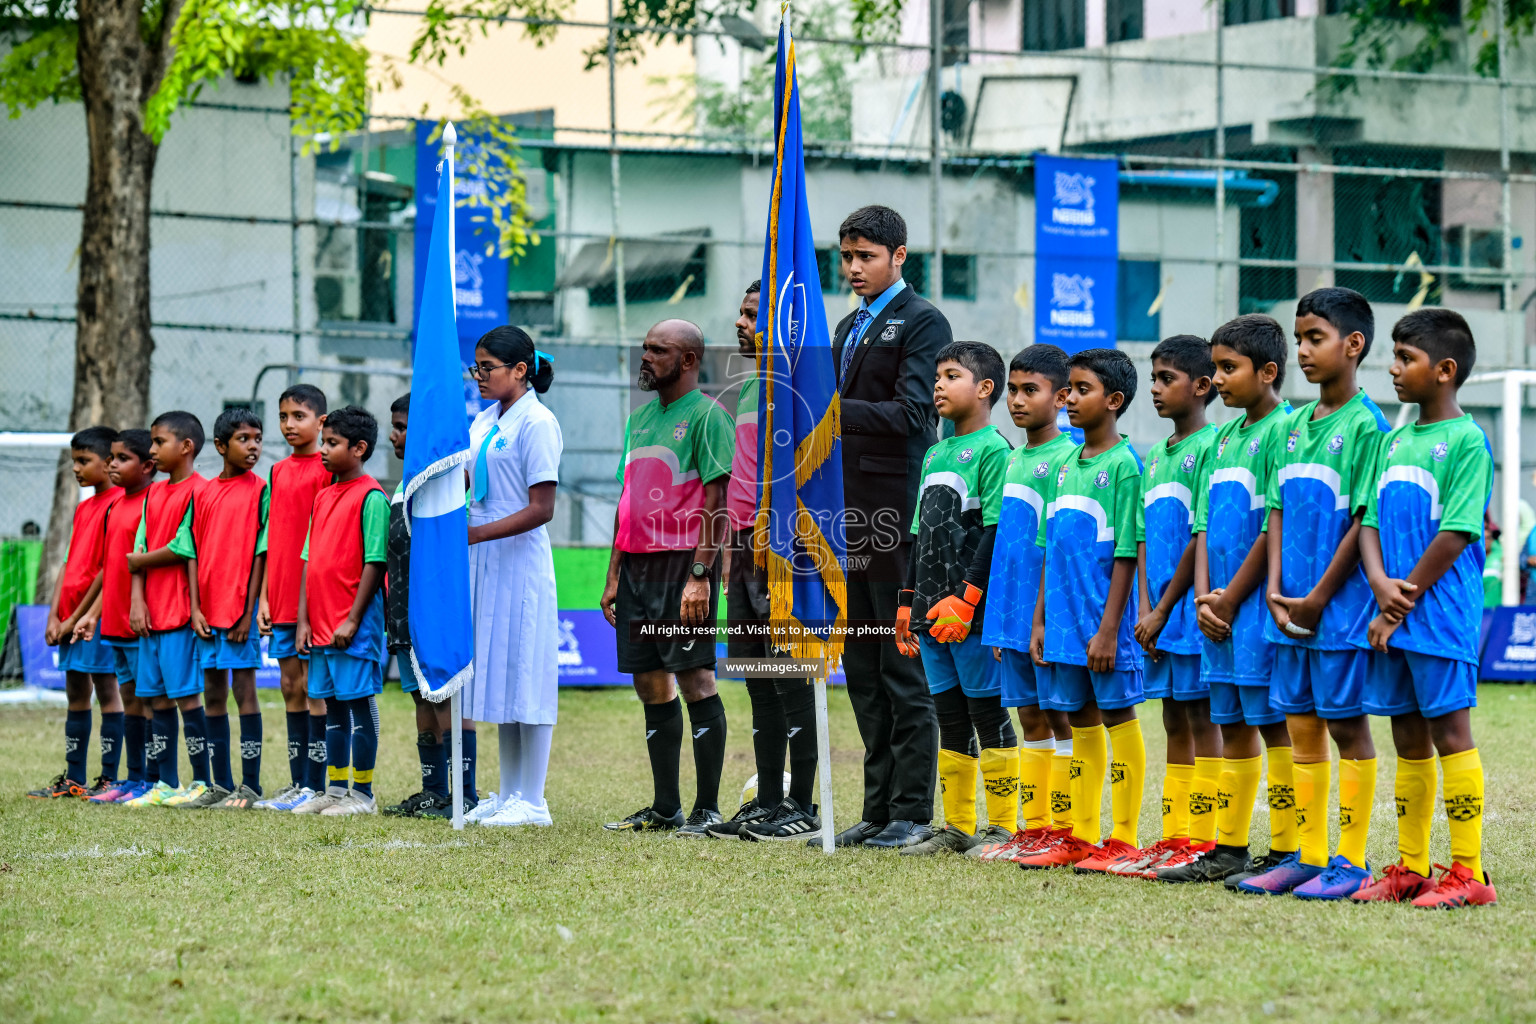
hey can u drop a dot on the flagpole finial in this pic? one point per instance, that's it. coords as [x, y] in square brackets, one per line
[450, 135]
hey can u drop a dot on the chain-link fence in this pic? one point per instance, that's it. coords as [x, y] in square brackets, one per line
[1252, 169]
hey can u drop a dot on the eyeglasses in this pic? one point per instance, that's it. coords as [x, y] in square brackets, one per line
[480, 371]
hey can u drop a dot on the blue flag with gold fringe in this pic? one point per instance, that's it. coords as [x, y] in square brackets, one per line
[799, 536]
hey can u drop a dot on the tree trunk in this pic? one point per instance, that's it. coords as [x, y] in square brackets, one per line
[113, 345]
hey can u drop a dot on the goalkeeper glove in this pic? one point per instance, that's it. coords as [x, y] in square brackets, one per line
[951, 617]
[906, 643]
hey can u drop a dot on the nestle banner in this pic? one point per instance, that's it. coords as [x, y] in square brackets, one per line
[1077, 251]
[1509, 644]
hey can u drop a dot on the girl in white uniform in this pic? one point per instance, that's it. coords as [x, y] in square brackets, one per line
[516, 448]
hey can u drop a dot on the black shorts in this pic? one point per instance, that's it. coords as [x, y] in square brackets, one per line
[651, 590]
[747, 599]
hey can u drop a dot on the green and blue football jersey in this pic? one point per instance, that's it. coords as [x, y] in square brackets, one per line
[1231, 513]
[1432, 478]
[1090, 522]
[1014, 583]
[1323, 477]
[962, 493]
[1165, 518]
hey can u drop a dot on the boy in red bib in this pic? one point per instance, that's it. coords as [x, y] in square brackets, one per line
[87, 663]
[341, 610]
[161, 610]
[132, 469]
[224, 575]
[293, 485]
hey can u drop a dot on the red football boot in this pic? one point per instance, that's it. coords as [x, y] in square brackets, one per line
[1457, 888]
[1396, 885]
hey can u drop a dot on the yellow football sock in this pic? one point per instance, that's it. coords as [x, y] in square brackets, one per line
[1061, 786]
[1357, 791]
[1313, 780]
[1239, 789]
[1176, 782]
[1282, 800]
[1414, 792]
[1000, 784]
[1090, 759]
[1035, 785]
[957, 781]
[1203, 785]
[1127, 779]
[1464, 807]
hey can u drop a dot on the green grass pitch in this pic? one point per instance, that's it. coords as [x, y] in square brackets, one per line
[113, 914]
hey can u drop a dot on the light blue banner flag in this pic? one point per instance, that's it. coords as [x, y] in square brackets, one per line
[436, 451]
[799, 536]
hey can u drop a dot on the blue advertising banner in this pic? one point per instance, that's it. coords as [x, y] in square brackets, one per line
[479, 273]
[1509, 644]
[1077, 248]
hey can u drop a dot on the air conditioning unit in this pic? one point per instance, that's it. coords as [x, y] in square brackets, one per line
[1477, 253]
[337, 295]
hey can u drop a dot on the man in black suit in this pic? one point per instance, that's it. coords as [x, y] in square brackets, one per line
[885, 352]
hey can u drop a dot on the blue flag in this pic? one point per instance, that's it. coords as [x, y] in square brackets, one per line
[799, 536]
[436, 450]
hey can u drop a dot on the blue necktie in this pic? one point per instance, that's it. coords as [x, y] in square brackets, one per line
[850, 343]
[482, 482]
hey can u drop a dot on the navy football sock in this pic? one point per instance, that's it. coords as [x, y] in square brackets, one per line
[338, 749]
[135, 733]
[218, 751]
[298, 745]
[163, 746]
[365, 742]
[195, 722]
[77, 738]
[317, 754]
[250, 751]
[470, 761]
[112, 726]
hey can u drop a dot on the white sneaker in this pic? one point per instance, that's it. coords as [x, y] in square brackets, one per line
[353, 803]
[488, 805]
[318, 804]
[287, 793]
[513, 811]
[538, 814]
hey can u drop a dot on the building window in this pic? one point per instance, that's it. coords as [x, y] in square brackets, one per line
[1140, 283]
[829, 264]
[1245, 12]
[959, 274]
[1268, 233]
[1386, 220]
[1122, 20]
[1447, 12]
[1055, 24]
[687, 280]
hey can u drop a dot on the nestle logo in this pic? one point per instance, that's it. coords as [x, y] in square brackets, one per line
[1072, 218]
[1071, 318]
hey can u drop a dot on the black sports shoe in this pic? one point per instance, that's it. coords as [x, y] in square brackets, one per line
[101, 785]
[442, 806]
[789, 821]
[1212, 866]
[855, 835]
[410, 807]
[750, 813]
[698, 824]
[1259, 866]
[647, 820]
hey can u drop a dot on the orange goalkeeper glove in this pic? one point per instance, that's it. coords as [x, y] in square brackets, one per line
[906, 643]
[951, 617]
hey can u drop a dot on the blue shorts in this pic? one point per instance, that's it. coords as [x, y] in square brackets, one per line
[125, 659]
[1024, 682]
[1175, 676]
[1073, 686]
[91, 655]
[168, 664]
[1232, 704]
[1328, 684]
[338, 675]
[284, 643]
[968, 664]
[1399, 682]
[220, 652]
[409, 683]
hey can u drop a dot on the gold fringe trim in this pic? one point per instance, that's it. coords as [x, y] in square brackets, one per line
[794, 636]
[816, 446]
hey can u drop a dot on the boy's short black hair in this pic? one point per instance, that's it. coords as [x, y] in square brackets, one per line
[1345, 308]
[231, 420]
[354, 423]
[306, 395]
[137, 441]
[1259, 337]
[979, 358]
[94, 439]
[879, 224]
[184, 425]
[1442, 334]
[1049, 361]
[401, 404]
[1189, 355]
[1114, 370]
[754, 288]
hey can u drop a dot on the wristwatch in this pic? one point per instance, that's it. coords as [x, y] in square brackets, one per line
[699, 571]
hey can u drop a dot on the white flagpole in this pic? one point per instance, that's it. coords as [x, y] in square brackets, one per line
[824, 758]
[450, 139]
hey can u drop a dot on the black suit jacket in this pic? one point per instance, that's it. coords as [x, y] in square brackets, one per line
[889, 422]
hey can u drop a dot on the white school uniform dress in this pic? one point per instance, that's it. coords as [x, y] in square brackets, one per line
[512, 580]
